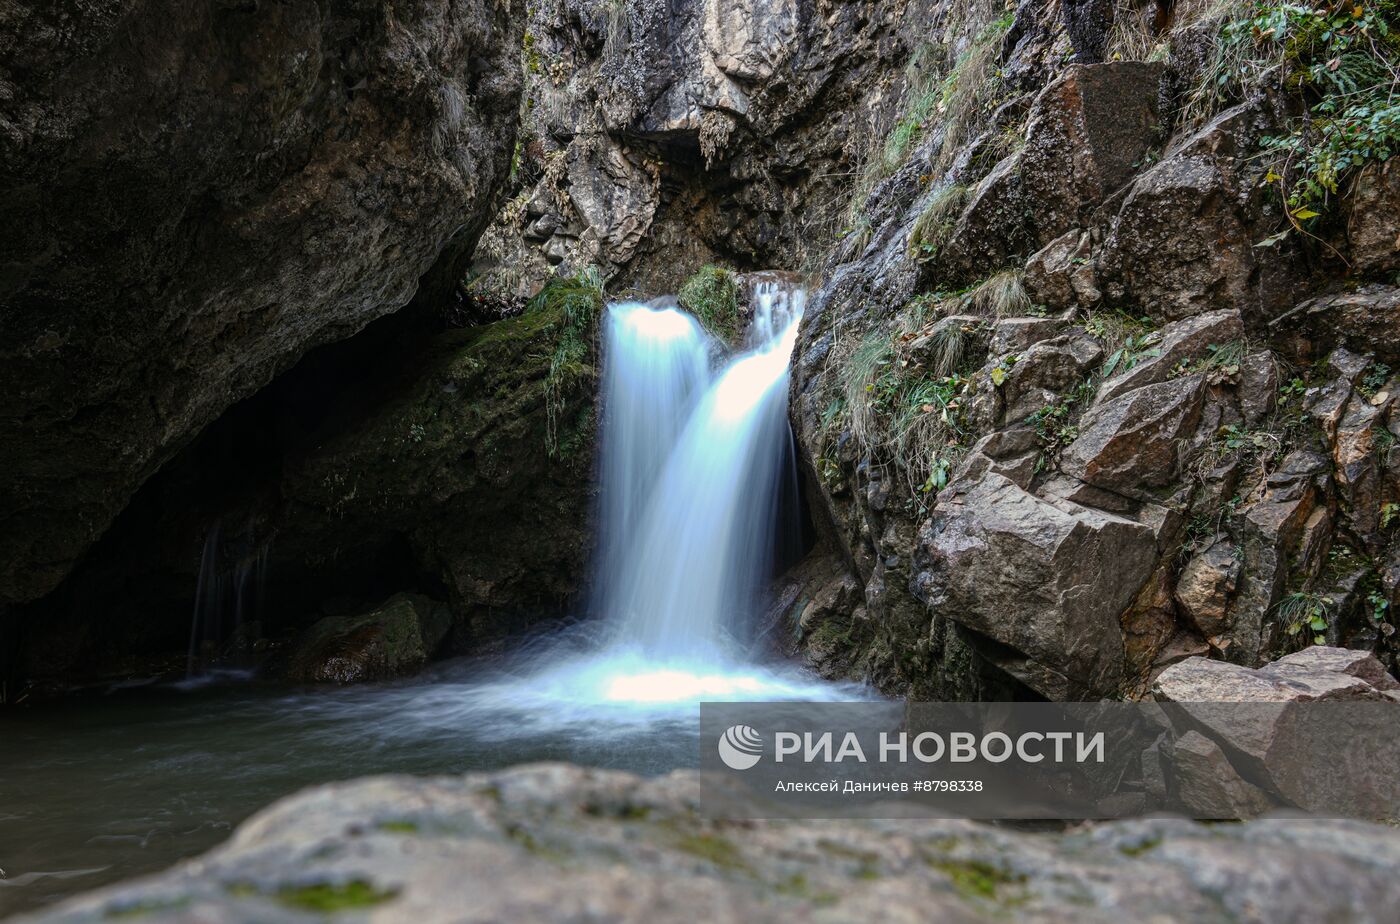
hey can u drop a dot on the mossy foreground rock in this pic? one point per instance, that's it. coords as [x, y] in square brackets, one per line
[554, 842]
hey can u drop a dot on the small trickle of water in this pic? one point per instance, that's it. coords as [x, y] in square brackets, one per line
[228, 597]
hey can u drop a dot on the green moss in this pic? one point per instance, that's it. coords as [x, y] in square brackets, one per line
[1140, 848]
[975, 878]
[712, 295]
[571, 305]
[399, 827]
[713, 848]
[327, 897]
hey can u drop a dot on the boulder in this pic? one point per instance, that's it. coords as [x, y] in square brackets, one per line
[1045, 371]
[1133, 442]
[1365, 320]
[1048, 579]
[1061, 274]
[1086, 136]
[1180, 244]
[193, 196]
[1209, 786]
[1308, 729]
[1206, 585]
[394, 639]
[557, 843]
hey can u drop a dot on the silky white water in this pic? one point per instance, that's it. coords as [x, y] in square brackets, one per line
[695, 457]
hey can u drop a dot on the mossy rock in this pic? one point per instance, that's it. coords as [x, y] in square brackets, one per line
[712, 296]
[393, 639]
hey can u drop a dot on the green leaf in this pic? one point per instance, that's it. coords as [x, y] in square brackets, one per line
[1317, 623]
[1304, 213]
[1112, 363]
[998, 375]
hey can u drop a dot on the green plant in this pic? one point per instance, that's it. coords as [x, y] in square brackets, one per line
[1056, 424]
[1377, 374]
[578, 301]
[1389, 511]
[1292, 392]
[1301, 611]
[935, 223]
[712, 295]
[1339, 58]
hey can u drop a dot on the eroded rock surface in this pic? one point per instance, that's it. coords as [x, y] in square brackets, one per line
[553, 842]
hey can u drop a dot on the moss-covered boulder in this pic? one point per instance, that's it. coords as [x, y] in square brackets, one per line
[392, 640]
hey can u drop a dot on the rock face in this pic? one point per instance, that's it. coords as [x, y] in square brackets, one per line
[553, 842]
[1309, 727]
[659, 137]
[460, 467]
[1070, 408]
[193, 196]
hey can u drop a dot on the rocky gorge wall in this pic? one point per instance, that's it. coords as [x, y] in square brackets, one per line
[1079, 396]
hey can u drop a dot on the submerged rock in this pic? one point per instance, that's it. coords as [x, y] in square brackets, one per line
[553, 842]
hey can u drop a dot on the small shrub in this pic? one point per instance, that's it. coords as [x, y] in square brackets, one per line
[1302, 612]
[712, 295]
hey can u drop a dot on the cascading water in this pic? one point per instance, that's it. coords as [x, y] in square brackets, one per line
[695, 467]
[694, 560]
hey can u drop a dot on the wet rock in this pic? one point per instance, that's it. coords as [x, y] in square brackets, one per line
[476, 459]
[1048, 579]
[1133, 441]
[195, 195]
[393, 640]
[553, 842]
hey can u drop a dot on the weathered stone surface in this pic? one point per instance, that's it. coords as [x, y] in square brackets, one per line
[1132, 442]
[1086, 136]
[479, 460]
[1373, 229]
[392, 640]
[1179, 343]
[1208, 785]
[192, 196]
[1050, 580]
[553, 842]
[1061, 273]
[1364, 320]
[1304, 728]
[1206, 585]
[1044, 371]
[1180, 244]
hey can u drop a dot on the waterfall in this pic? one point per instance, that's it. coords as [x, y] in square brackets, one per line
[696, 495]
[682, 574]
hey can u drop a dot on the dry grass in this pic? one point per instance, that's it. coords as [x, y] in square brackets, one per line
[934, 224]
[1000, 295]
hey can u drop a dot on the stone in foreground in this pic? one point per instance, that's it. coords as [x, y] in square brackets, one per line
[554, 842]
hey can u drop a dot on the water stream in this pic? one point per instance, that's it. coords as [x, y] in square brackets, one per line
[695, 467]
